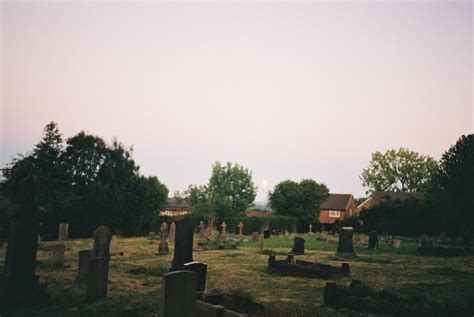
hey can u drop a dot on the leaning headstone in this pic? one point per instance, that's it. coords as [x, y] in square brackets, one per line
[201, 270]
[102, 237]
[178, 292]
[20, 283]
[183, 246]
[345, 241]
[373, 240]
[63, 231]
[298, 246]
[172, 232]
[57, 258]
[83, 265]
[97, 278]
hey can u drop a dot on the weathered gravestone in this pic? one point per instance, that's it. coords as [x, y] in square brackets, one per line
[113, 244]
[178, 292]
[310, 228]
[164, 228]
[97, 276]
[241, 230]
[183, 246]
[83, 265]
[172, 234]
[57, 258]
[201, 270]
[19, 282]
[345, 245]
[298, 246]
[373, 240]
[266, 233]
[397, 243]
[63, 232]
[163, 248]
[255, 236]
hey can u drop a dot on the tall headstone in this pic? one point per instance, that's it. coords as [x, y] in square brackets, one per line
[201, 270]
[63, 231]
[346, 244]
[57, 258]
[298, 246]
[102, 238]
[172, 232]
[164, 229]
[19, 279]
[183, 246]
[223, 233]
[83, 265]
[178, 292]
[373, 240]
[241, 230]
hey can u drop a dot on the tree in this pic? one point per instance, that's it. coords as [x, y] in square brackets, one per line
[401, 170]
[232, 184]
[300, 200]
[453, 189]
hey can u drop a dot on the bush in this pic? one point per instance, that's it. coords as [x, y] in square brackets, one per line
[352, 221]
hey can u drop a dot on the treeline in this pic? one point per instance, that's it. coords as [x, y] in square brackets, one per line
[87, 182]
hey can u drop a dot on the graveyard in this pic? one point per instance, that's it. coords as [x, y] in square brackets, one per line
[436, 284]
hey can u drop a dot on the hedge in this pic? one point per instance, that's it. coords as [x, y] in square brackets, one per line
[256, 224]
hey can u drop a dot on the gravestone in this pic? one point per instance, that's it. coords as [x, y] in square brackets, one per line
[83, 265]
[397, 243]
[57, 258]
[102, 237]
[163, 248]
[164, 228]
[183, 246]
[178, 291]
[345, 241]
[172, 232]
[19, 281]
[97, 278]
[202, 230]
[223, 234]
[266, 233]
[63, 231]
[373, 240]
[255, 236]
[151, 235]
[310, 228]
[113, 244]
[241, 230]
[201, 270]
[298, 246]
[293, 229]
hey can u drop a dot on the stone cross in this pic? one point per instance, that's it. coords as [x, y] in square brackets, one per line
[178, 292]
[345, 241]
[63, 231]
[223, 234]
[20, 258]
[102, 237]
[310, 228]
[183, 246]
[241, 230]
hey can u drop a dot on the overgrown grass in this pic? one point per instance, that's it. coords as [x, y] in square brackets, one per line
[135, 277]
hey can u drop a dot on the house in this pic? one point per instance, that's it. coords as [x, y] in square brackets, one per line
[337, 207]
[176, 207]
[258, 213]
[378, 197]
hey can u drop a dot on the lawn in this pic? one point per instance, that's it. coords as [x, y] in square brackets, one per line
[445, 284]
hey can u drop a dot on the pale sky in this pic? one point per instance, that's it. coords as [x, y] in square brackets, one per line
[289, 90]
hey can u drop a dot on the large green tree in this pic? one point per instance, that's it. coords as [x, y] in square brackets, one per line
[398, 170]
[453, 184]
[300, 200]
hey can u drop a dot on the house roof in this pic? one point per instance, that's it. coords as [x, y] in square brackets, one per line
[380, 196]
[336, 202]
[175, 204]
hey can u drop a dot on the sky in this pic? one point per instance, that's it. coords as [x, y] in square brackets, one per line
[289, 90]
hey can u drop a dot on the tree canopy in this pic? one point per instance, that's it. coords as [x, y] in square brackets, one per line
[300, 200]
[398, 170]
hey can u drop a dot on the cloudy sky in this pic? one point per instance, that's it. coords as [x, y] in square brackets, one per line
[291, 91]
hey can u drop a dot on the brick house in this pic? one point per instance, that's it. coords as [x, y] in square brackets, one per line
[337, 207]
[378, 197]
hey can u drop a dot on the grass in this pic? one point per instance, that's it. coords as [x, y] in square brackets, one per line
[135, 278]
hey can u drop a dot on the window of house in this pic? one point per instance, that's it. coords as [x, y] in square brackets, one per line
[334, 213]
